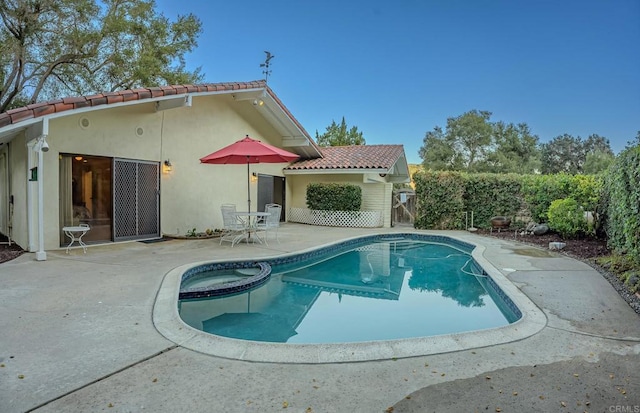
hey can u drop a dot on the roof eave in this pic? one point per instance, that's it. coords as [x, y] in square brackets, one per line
[333, 171]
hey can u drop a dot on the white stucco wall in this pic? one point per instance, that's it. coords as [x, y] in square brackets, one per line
[192, 192]
[190, 195]
[376, 196]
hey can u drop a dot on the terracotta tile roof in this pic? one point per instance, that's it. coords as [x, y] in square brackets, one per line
[36, 110]
[352, 157]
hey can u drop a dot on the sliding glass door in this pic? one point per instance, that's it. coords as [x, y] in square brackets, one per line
[118, 198]
[86, 188]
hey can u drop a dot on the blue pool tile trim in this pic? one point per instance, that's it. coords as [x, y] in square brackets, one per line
[235, 287]
[227, 288]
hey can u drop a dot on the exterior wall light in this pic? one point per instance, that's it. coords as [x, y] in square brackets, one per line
[167, 166]
[41, 145]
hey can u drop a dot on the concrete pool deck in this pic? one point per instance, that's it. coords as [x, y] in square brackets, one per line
[77, 334]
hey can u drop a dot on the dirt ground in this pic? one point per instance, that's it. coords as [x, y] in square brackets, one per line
[584, 249]
[8, 252]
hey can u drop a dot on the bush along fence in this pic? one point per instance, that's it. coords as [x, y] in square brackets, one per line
[335, 204]
[445, 198]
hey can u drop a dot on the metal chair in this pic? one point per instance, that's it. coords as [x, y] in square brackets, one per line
[272, 221]
[233, 229]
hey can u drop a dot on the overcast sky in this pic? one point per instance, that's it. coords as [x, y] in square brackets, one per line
[396, 69]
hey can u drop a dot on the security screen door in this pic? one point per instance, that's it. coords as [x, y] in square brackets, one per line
[136, 195]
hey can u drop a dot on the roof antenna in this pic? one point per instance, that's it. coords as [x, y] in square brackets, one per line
[266, 64]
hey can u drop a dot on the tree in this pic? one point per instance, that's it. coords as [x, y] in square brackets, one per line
[462, 147]
[472, 143]
[516, 149]
[596, 143]
[439, 153]
[52, 48]
[338, 135]
[597, 162]
[566, 153]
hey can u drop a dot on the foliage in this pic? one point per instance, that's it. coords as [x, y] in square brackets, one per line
[623, 203]
[472, 143]
[334, 197]
[567, 218]
[488, 195]
[540, 190]
[463, 144]
[440, 200]
[51, 49]
[597, 162]
[566, 153]
[625, 269]
[438, 154]
[443, 197]
[338, 135]
[192, 233]
[516, 149]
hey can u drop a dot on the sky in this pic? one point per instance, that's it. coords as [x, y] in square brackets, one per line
[397, 69]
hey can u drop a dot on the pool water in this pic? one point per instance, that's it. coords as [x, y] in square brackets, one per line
[374, 291]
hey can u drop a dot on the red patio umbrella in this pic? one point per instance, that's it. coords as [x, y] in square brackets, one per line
[249, 151]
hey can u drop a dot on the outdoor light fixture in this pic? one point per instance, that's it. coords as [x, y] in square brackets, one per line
[167, 166]
[258, 102]
[41, 145]
[254, 177]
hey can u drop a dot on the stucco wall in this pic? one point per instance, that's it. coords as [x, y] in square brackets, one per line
[375, 196]
[193, 192]
[190, 195]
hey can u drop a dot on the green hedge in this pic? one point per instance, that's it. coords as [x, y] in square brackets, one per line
[540, 190]
[488, 195]
[621, 199]
[444, 197]
[440, 200]
[334, 197]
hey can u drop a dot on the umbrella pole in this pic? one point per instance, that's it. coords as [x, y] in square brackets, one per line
[248, 187]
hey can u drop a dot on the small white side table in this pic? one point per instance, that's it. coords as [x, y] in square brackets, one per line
[75, 234]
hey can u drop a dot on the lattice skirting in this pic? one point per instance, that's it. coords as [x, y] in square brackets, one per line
[354, 219]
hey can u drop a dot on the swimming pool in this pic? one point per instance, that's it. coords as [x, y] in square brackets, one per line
[170, 325]
[368, 289]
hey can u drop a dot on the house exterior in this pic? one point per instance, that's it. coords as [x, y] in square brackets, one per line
[375, 168]
[127, 162]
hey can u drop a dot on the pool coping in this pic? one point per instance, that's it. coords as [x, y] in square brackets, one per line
[168, 323]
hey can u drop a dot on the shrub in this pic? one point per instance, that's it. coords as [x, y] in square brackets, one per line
[488, 195]
[440, 203]
[334, 197]
[622, 203]
[567, 218]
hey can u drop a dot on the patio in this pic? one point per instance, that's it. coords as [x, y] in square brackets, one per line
[78, 336]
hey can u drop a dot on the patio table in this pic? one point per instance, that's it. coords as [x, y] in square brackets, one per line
[75, 233]
[250, 220]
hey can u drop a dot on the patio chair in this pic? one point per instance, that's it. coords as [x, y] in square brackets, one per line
[233, 230]
[271, 223]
